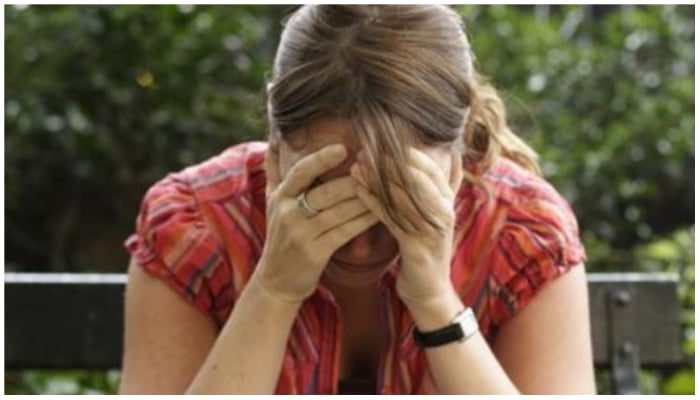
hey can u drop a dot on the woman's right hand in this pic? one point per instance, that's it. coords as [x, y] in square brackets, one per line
[298, 248]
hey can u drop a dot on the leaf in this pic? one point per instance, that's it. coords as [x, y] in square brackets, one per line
[681, 382]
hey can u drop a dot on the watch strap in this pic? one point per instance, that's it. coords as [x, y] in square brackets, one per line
[461, 328]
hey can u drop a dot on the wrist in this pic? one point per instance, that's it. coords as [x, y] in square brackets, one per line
[435, 312]
[257, 287]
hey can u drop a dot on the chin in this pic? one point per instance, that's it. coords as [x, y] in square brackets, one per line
[350, 260]
[373, 246]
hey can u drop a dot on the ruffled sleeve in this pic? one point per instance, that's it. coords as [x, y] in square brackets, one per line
[173, 243]
[538, 242]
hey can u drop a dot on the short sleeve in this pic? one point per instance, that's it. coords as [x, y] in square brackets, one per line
[539, 241]
[173, 243]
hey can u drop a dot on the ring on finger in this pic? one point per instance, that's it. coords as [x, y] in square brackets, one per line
[306, 209]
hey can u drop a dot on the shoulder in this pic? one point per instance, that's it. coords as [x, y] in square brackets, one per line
[238, 169]
[518, 234]
[534, 211]
[185, 233]
[515, 186]
[193, 193]
[515, 202]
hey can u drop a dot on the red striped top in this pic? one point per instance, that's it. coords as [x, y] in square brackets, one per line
[201, 230]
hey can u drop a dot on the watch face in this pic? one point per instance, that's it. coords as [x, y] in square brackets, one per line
[460, 329]
[468, 323]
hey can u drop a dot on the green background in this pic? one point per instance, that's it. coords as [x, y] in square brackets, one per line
[102, 101]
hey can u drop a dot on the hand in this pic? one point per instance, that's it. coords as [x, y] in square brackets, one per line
[297, 248]
[426, 251]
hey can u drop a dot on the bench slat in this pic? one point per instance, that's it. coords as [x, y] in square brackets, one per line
[73, 324]
[77, 320]
[656, 315]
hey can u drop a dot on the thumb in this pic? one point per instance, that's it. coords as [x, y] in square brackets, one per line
[456, 172]
[272, 170]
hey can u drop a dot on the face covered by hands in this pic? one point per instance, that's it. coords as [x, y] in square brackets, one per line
[425, 250]
[298, 247]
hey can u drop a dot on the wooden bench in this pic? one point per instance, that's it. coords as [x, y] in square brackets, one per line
[69, 321]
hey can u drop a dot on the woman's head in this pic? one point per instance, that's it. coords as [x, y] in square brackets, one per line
[398, 76]
[374, 247]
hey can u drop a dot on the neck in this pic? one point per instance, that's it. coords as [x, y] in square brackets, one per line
[353, 300]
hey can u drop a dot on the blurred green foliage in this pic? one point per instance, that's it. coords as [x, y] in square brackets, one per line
[62, 382]
[101, 101]
[608, 102]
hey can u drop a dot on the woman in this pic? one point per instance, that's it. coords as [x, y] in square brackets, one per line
[387, 238]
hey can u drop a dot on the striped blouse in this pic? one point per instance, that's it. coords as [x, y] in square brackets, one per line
[202, 230]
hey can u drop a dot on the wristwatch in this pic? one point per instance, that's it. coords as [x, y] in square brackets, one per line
[460, 329]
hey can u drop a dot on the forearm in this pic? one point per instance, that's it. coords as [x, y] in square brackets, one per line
[467, 367]
[247, 356]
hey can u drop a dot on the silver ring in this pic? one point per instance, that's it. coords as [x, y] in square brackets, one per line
[305, 207]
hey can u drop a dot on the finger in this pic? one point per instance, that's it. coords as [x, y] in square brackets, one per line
[272, 170]
[456, 172]
[374, 205]
[340, 235]
[421, 183]
[425, 186]
[404, 205]
[303, 173]
[408, 210]
[331, 193]
[389, 165]
[429, 167]
[337, 215]
[435, 209]
[357, 172]
[420, 162]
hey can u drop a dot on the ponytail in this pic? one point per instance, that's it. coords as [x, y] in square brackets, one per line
[487, 135]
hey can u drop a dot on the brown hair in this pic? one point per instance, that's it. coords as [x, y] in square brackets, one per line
[399, 74]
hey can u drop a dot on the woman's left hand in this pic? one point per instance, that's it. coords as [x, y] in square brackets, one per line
[426, 251]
